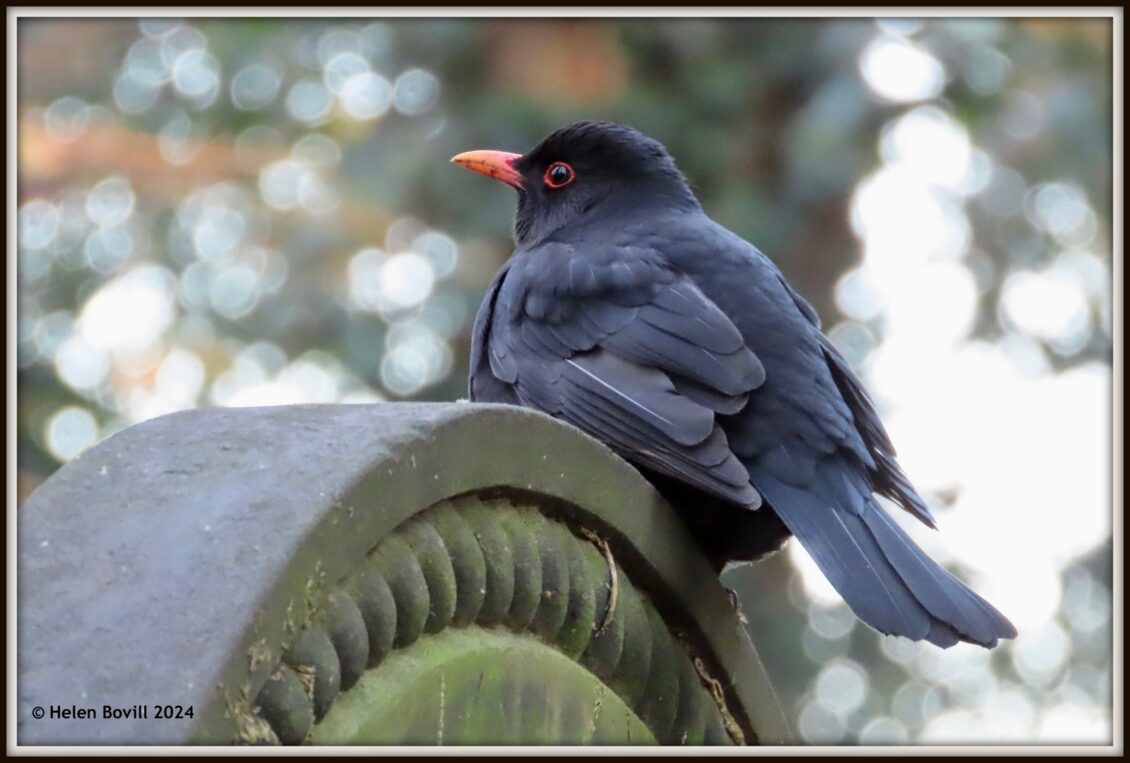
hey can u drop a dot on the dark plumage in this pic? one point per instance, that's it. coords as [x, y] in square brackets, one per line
[629, 313]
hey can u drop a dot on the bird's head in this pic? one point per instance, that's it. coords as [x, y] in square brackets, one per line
[582, 175]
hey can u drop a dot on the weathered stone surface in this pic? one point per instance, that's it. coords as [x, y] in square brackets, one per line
[467, 562]
[378, 609]
[343, 622]
[175, 562]
[283, 703]
[478, 686]
[313, 657]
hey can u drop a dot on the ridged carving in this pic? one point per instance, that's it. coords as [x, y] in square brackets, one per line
[492, 564]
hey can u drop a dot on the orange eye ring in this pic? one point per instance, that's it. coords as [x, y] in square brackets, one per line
[559, 175]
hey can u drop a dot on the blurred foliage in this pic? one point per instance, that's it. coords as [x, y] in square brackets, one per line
[222, 211]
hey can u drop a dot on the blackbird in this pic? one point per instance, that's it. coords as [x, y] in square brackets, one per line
[628, 313]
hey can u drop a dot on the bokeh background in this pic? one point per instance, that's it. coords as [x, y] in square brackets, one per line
[221, 212]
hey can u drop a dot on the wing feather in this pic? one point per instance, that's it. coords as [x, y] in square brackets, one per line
[630, 352]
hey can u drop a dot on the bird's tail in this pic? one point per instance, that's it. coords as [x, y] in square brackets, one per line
[888, 581]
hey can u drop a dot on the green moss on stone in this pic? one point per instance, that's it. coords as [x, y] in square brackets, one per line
[401, 569]
[435, 562]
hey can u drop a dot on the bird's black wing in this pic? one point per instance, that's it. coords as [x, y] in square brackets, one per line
[616, 343]
[887, 475]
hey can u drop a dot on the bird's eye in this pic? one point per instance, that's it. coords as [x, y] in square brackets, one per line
[559, 175]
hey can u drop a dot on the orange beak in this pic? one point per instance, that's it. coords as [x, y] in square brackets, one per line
[496, 164]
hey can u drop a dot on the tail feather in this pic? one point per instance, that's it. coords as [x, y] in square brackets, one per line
[942, 635]
[946, 597]
[883, 576]
[851, 560]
